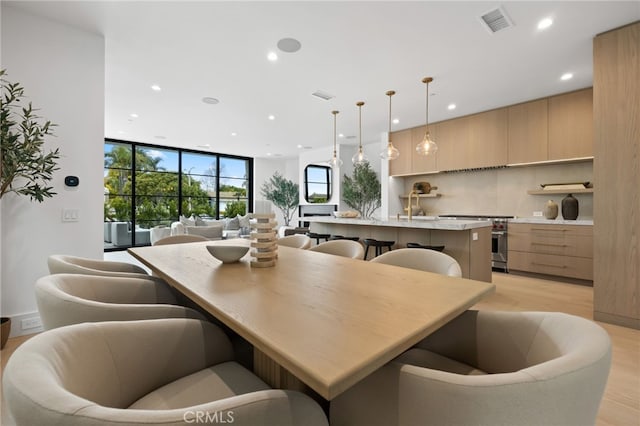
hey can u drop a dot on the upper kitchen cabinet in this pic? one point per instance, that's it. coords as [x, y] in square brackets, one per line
[474, 141]
[453, 138]
[402, 141]
[571, 125]
[487, 143]
[527, 140]
[421, 163]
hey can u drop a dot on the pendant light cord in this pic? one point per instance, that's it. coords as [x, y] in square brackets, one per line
[335, 114]
[426, 111]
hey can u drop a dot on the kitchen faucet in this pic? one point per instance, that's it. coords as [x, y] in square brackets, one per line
[410, 204]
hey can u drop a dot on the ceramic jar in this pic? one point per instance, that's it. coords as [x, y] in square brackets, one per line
[551, 210]
[570, 207]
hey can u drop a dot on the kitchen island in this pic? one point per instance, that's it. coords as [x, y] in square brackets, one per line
[467, 241]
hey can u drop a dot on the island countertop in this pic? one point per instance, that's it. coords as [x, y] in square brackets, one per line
[421, 223]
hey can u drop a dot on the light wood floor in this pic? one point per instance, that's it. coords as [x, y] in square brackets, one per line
[621, 403]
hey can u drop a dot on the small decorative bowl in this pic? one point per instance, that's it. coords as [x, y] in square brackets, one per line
[227, 254]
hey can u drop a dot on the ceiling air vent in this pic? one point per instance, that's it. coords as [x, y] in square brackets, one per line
[322, 95]
[495, 20]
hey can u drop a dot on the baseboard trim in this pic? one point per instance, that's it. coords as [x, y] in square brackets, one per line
[617, 320]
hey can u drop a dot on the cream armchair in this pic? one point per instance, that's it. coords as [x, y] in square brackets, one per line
[345, 248]
[421, 259]
[489, 368]
[155, 372]
[65, 299]
[64, 264]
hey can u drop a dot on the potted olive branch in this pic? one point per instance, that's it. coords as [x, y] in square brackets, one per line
[283, 193]
[25, 168]
[362, 190]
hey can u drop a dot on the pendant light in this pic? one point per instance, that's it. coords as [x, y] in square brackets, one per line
[359, 157]
[427, 146]
[390, 152]
[335, 161]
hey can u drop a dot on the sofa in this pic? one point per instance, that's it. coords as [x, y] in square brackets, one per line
[121, 235]
[213, 229]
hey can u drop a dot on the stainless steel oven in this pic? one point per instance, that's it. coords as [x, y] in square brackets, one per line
[499, 237]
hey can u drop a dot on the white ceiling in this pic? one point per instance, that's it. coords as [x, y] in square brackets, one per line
[351, 49]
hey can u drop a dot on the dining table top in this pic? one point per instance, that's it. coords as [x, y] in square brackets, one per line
[327, 319]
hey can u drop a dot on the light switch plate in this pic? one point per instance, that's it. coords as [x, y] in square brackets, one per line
[70, 215]
[537, 214]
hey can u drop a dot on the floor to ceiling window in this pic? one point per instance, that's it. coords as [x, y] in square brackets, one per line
[147, 186]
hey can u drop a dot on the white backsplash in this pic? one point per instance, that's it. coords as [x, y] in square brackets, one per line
[500, 191]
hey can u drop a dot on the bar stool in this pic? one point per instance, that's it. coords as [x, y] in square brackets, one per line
[318, 236]
[379, 246]
[342, 237]
[424, 246]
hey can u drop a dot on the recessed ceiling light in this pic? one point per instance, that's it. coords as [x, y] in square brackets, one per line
[341, 135]
[210, 100]
[272, 56]
[156, 88]
[299, 146]
[566, 76]
[451, 107]
[545, 23]
[268, 154]
[395, 121]
[289, 45]
[272, 117]
[121, 132]
[234, 134]
[133, 115]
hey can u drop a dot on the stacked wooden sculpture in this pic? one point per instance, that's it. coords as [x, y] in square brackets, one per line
[263, 240]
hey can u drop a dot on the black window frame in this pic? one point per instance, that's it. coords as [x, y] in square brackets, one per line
[328, 183]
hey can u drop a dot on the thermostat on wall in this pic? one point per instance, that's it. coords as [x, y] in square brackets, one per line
[71, 181]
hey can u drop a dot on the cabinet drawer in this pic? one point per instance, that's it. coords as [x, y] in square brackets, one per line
[569, 240]
[565, 266]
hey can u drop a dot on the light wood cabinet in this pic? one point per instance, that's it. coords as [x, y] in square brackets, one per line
[402, 141]
[616, 90]
[421, 163]
[528, 137]
[487, 143]
[571, 125]
[453, 136]
[563, 250]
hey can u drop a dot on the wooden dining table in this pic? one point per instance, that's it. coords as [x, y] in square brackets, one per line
[315, 319]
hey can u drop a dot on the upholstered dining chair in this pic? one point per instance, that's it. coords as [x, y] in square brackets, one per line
[65, 264]
[424, 260]
[345, 248]
[152, 372]
[180, 239]
[65, 299]
[295, 240]
[489, 368]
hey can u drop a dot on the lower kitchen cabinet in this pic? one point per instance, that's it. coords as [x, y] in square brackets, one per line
[562, 250]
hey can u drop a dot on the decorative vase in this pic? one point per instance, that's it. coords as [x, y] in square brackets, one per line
[570, 207]
[5, 329]
[551, 210]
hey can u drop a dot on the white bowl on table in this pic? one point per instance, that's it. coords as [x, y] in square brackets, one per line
[227, 253]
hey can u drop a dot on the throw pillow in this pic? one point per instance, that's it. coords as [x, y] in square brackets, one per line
[210, 232]
[233, 224]
[188, 221]
[212, 222]
[200, 221]
[244, 221]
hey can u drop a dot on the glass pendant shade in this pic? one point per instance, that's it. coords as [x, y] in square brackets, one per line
[390, 152]
[359, 157]
[335, 161]
[427, 146]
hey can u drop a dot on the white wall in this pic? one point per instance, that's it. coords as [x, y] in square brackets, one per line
[62, 70]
